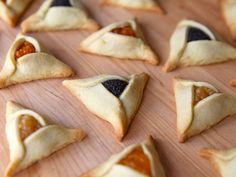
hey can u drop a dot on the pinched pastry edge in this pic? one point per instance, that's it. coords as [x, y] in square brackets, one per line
[151, 5]
[194, 119]
[24, 153]
[33, 66]
[219, 159]
[149, 149]
[106, 43]
[59, 18]
[11, 11]
[119, 112]
[196, 53]
[228, 8]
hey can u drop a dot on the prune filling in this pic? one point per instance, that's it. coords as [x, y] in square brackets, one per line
[195, 34]
[64, 3]
[115, 86]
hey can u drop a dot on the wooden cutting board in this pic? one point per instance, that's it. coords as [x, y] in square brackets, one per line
[157, 115]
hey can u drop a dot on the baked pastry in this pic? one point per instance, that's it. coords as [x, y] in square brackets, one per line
[228, 8]
[115, 99]
[27, 60]
[11, 10]
[148, 5]
[28, 137]
[233, 83]
[199, 106]
[139, 160]
[122, 40]
[224, 161]
[194, 44]
[56, 15]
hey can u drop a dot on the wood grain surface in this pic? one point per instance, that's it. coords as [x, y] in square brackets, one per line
[156, 116]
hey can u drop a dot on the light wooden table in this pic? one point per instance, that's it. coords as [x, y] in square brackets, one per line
[157, 114]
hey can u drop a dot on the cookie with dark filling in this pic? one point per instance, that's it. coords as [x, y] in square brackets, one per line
[194, 44]
[59, 15]
[113, 98]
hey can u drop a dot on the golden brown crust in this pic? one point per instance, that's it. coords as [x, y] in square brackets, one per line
[8, 14]
[209, 154]
[233, 83]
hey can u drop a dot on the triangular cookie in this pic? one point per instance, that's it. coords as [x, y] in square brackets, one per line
[228, 8]
[224, 161]
[139, 160]
[56, 15]
[123, 40]
[194, 44]
[115, 99]
[27, 60]
[28, 137]
[199, 106]
[148, 5]
[11, 10]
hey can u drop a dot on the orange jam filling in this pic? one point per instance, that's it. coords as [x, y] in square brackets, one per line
[127, 31]
[201, 93]
[137, 160]
[24, 49]
[28, 125]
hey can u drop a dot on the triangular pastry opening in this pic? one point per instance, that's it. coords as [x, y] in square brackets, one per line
[193, 44]
[126, 31]
[200, 106]
[136, 160]
[58, 15]
[115, 86]
[122, 40]
[196, 34]
[201, 92]
[113, 98]
[28, 125]
[27, 60]
[28, 137]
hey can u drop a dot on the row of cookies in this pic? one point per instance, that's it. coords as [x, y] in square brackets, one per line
[27, 130]
[114, 98]
[187, 37]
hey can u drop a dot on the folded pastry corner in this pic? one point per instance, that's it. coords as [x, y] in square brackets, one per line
[27, 60]
[199, 106]
[123, 40]
[56, 15]
[11, 10]
[28, 137]
[147, 5]
[113, 98]
[139, 160]
[224, 161]
[193, 44]
[228, 8]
